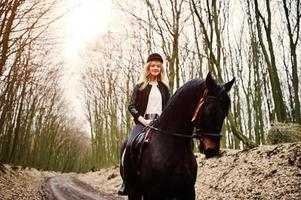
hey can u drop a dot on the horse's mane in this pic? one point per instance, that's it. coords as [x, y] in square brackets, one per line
[184, 99]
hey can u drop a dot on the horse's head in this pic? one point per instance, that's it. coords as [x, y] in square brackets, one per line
[210, 114]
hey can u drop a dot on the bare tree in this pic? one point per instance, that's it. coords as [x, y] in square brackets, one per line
[269, 55]
[33, 119]
[293, 31]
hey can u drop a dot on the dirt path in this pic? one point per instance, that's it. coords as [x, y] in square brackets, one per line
[70, 188]
[265, 172]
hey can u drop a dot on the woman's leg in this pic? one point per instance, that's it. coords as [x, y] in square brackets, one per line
[136, 130]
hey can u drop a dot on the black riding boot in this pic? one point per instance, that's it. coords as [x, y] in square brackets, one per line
[123, 190]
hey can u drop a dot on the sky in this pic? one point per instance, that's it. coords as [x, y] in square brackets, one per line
[83, 22]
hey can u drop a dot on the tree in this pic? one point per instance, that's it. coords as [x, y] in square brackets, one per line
[293, 31]
[33, 117]
[269, 55]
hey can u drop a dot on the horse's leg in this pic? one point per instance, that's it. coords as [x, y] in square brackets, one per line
[157, 198]
[133, 195]
[189, 195]
[157, 195]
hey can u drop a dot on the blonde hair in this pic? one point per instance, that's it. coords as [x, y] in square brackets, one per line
[145, 79]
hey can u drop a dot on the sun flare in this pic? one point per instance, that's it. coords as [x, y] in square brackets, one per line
[85, 20]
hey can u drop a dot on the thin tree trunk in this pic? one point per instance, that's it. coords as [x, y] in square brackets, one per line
[280, 108]
[293, 56]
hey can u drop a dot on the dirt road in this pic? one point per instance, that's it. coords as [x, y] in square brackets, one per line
[70, 188]
[264, 172]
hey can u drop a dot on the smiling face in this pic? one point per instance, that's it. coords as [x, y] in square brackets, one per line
[155, 68]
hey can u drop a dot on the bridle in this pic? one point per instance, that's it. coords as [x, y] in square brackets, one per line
[198, 134]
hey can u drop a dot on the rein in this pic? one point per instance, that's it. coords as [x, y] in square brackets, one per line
[173, 134]
[198, 135]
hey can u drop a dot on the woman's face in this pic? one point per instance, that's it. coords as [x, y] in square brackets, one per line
[155, 68]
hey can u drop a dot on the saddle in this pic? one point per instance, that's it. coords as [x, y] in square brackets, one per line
[135, 149]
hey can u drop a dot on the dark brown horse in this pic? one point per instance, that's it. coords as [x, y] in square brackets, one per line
[168, 167]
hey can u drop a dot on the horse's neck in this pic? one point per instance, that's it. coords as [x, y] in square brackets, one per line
[177, 117]
[170, 138]
[176, 122]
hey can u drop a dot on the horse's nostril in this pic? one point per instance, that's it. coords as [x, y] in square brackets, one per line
[211, 152]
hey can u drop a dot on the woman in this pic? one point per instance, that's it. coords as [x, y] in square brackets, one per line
[148, 99]
[149, 96]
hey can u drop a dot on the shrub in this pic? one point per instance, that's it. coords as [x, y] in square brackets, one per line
[284, 133]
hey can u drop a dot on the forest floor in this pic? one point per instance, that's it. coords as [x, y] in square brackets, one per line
[264, 172]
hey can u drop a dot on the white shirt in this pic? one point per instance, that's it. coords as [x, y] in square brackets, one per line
[154, 105]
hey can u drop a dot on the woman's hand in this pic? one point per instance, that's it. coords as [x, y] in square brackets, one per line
[143, 121]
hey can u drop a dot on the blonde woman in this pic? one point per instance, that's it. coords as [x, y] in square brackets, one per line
[148, 98]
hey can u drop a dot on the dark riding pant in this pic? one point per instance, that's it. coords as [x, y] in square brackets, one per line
[136, 130]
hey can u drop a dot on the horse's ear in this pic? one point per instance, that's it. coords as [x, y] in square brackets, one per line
[228, 85]
[210, 83]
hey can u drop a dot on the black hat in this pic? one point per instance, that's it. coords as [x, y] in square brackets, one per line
[154, 56]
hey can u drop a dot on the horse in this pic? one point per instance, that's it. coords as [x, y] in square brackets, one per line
[168, 168]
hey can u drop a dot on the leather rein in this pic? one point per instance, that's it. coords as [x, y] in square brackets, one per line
[197, 135]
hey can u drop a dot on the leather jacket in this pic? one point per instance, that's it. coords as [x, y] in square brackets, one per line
[139, 99]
